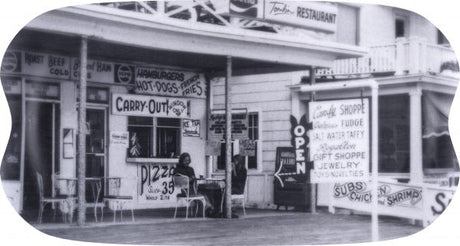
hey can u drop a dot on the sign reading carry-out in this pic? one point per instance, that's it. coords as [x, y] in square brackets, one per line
[136, 105]
[339, 140]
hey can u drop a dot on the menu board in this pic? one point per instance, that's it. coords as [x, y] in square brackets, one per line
[339, 140]
[286, 170]
[156, 184]
[217, 123]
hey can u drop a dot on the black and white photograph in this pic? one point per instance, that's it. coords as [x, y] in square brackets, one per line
[229, 122]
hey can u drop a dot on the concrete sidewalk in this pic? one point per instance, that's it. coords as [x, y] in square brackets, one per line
[259, 227]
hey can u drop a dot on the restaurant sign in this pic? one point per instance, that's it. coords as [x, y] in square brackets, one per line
[158, 81]
[339, 140]
[312, 15]
[436, 199]
[153, 106]
[156, 184]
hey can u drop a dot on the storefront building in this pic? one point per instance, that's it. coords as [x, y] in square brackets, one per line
[417, 75]
[150, 71]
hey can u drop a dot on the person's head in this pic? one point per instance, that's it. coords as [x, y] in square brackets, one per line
[236, 159]
[184, 159]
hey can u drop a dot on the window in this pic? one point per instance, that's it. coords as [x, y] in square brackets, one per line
[140, 137]
[253, 134]
[168, 137]
[401, 26]
[148, 141]
[442, 39]
[394, 134]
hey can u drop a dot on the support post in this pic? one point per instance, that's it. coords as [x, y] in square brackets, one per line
[228, 139]
[312, 186]
[375, 159]
[416, 149]
[81, 152]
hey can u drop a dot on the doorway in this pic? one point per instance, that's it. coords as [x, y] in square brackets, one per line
[95, 147]
[41, 149]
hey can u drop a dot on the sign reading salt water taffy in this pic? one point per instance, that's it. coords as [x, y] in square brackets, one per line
[339, 140]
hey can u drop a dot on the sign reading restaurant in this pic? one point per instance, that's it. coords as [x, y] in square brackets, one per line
[339, 140]
[316, 16]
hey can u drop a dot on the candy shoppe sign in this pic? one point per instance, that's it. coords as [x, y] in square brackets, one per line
[156, 183]
[137, 105]
[339, 140]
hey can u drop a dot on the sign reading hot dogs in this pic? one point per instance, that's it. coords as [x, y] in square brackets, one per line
[156, 81]
[339, 140]
[137, 105]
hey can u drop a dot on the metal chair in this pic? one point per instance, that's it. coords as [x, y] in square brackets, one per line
[65, 202]
[116, 201]
[241, 198]
[182, 183]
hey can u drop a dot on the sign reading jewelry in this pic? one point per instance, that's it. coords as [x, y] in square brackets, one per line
[137, 105]
[339, 140]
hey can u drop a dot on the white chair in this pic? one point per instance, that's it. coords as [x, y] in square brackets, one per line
[116, 200]
[65, 202]
[95, 185]
[182, 183]
[241, 198]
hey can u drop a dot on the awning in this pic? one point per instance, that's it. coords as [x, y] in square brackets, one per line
[436, 107]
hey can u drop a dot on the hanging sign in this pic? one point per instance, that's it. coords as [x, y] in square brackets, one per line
[247, 147]
[217, 123]
[137, 105]
[120, 138]
[300, 140]
[157, 81]
[212, 147]
[339, 140]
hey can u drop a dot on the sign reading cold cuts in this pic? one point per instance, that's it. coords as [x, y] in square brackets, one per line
[339, 140]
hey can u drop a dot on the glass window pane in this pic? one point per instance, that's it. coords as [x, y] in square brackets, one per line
[140, 121]
[394, 138]
[168, 142]
[140, 142]
[169, 122]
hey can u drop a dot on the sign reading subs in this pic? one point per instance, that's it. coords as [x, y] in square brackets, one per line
[339, 140]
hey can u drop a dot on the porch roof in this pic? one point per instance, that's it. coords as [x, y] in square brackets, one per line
[115, 33]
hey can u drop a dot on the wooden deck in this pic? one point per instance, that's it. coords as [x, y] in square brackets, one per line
[259, 227]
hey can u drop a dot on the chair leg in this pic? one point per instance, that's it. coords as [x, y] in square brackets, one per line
[186, 211]
[244, 208]
[40, 213]
[204, 206]
[175, 211]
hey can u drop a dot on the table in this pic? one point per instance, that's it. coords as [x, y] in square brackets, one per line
[214, 190]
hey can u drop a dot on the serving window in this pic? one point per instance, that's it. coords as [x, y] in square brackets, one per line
[153, 137]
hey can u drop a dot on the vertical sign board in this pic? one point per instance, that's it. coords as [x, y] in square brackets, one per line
[155, 183]
[339, 140]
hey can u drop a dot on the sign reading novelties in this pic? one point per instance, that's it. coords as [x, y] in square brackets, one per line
[165, 82]
[318, 16]
[339, 140]
[153, 106]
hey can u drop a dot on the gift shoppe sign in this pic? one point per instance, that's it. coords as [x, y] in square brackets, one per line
[158, 81]
[138, 105]
[156, 184]
[339, 140]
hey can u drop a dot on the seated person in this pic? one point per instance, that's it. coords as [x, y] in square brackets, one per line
[184, 168]
[239, 175]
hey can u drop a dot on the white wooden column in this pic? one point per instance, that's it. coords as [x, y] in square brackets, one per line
[416, 150]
